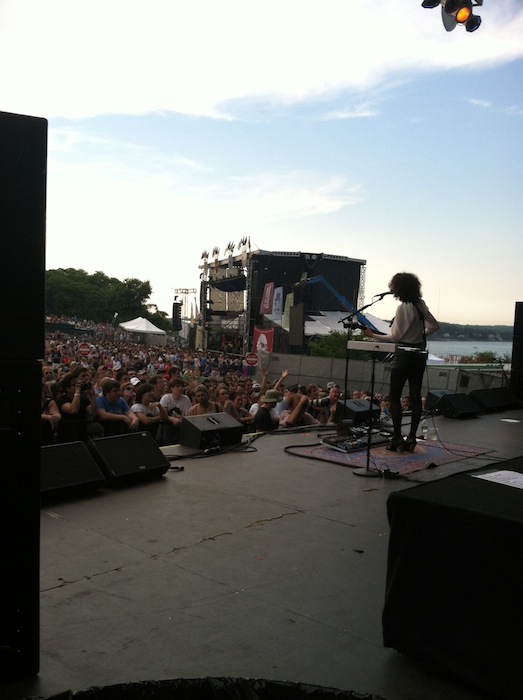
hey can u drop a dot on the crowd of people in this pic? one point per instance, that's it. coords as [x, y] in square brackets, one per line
[114, 386]
[117, 386]
[107, 384]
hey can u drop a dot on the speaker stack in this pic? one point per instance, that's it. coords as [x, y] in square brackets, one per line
[23, 167]
[210, 431]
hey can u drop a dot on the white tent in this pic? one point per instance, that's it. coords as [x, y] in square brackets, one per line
[144, 326]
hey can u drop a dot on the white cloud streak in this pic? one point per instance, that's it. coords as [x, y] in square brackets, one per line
[80, 59]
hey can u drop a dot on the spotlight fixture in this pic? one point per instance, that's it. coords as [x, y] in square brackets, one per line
[454, 12]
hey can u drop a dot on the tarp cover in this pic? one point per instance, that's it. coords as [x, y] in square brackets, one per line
[214, 689]
[141, 325]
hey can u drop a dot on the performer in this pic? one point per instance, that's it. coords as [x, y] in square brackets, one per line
[412, 323]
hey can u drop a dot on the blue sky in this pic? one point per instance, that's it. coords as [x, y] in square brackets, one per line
[359, 129]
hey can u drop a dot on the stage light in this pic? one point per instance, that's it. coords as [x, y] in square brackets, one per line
[455, 12]
[473, 23]
[461, 11]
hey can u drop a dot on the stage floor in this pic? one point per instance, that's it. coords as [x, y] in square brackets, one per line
[253, 564]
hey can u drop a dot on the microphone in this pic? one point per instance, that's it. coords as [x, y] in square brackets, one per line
[383, 294]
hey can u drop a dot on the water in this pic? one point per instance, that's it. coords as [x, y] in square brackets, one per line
[460, 348]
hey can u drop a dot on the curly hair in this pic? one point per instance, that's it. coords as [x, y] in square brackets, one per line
[405, 286]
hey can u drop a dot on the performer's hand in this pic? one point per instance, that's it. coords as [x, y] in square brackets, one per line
[368, 333]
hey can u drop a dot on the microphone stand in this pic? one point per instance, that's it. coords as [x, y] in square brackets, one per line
[375, 473]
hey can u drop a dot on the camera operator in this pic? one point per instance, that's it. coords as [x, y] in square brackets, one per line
[77, 406]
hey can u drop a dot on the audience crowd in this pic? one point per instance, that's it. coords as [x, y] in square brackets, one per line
[107, 385]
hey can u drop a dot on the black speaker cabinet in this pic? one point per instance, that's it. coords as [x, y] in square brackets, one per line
[516, 367]
[125, 458]
[23, 166]
[358, 410]
[212, 430]
[496, 399]
[68, 468]
[433, 398]
[457, 406]
[20, 395]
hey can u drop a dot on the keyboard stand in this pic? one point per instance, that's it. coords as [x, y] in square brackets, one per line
[374, 473]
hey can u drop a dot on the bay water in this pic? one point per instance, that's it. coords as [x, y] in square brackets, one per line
[468, 348]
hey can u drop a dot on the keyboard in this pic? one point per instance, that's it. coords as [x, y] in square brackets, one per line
[355, 441]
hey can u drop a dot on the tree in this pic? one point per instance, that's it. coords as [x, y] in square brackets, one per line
[96, 297]
[335, 345]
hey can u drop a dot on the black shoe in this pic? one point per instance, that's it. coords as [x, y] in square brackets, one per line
[396, 444]
[410, 443]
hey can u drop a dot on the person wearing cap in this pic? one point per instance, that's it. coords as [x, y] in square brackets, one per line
[265, 417]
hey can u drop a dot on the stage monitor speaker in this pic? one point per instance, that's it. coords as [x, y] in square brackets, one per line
[131, 457]
[457, 406]
[497, 399]
[68, 468]
[212, 430]
[433, 398]
[358, 410]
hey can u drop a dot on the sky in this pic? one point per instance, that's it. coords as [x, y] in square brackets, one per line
[361, 129]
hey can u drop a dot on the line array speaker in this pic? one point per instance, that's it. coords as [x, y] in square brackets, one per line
[67, 468]
[210, 430]
[125, 458]
[458, 406]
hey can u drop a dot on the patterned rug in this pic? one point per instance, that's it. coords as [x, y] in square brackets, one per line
[428, 454]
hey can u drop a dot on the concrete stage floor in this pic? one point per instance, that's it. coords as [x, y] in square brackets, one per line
[251, 564]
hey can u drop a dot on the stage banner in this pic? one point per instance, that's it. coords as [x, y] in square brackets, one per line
[286, 320]
[262, 340]
[277, 302]
[266, 302]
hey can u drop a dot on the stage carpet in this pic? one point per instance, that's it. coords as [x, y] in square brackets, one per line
[428, 454]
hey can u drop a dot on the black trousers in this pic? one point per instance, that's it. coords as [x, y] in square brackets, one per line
[407, 366]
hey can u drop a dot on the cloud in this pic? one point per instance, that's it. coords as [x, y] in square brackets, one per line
[484, 104]
[82, 59]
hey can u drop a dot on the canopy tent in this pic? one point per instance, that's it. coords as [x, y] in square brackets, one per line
[146, 328]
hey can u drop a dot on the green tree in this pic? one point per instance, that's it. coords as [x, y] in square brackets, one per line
[71, 292]
[335, 345]
[486, 357]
